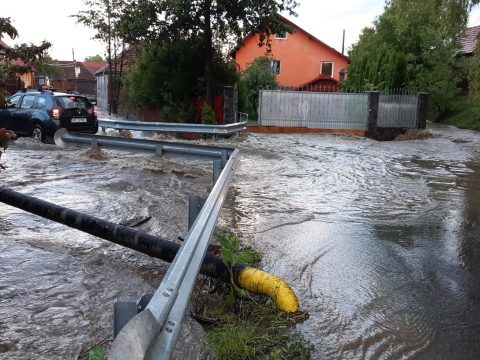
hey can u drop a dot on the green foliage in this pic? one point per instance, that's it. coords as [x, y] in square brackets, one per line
[474, 79]
[94, 58]
[233, 254]
[48, 67]
[7, 28]
[97, 353]
[463, 114]
[203, 21]
[181, 112]
[208, 115]
[246, 329]
[249, 330]
[256, 77]
[103, 16]
[412, 45]
[165, 76]
[30, 54]
[233, 341]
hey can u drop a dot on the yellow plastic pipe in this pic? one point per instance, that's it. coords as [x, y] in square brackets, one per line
[263, 283]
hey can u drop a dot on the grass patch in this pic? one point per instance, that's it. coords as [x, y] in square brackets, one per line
[249, 329]
[97, 353]
[245, 326]
[462, 115]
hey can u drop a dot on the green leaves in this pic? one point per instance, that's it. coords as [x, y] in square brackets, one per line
[6, 27]
[258, 76]
[232, 254]
[412, 45]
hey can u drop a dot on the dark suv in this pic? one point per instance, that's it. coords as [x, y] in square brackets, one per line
[40, 113]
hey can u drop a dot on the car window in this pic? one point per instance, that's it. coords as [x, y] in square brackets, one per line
[13, 101]
[27, 102]
[44, 102]
[74, 102]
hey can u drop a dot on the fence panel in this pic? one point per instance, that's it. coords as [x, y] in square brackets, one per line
[313, 110]
[396, 110]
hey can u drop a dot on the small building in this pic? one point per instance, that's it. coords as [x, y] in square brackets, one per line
[468, 41]
[76, 76]
[297, 58]
[20, 80]
[102, 75]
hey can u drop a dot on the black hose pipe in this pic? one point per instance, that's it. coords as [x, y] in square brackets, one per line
[151, 245]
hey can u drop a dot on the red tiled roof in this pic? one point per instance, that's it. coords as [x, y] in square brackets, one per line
[469, 40]
[3, 45]
[130, 57]
[320, 78]
[92, 66]
[18, 61]
[68, 71]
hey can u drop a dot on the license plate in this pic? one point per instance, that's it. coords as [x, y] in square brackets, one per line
[78, 120]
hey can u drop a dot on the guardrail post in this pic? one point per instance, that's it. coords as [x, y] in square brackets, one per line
[217, 170]
[159, 150]
[124, 311]
[373, 101]
[422, 110]
[195, 204]
[224, 158]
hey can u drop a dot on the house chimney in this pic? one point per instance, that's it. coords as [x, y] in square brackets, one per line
[343, 43]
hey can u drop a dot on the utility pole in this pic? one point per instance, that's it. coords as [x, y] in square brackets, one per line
[74, 69]
[343, 43]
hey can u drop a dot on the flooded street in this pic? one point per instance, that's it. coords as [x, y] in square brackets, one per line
[380, 240]
[58, 285]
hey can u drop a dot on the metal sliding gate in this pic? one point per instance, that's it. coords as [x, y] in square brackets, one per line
[313, 110]
[338, 110]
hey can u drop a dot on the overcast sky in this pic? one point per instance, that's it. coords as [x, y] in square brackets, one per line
[49, 20]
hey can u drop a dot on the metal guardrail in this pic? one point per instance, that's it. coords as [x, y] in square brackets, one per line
[241, 117]
[229, 129]
[63, 138]
[152, 334]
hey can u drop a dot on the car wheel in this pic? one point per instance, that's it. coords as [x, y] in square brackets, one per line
[38, 133]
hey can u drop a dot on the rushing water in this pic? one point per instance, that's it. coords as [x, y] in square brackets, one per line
[380, 240]
[58, 285]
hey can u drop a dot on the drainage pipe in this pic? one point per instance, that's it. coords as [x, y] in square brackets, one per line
[247, 278]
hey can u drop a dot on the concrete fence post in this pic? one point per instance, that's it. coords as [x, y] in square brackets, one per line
[422, 110]
[373, 100]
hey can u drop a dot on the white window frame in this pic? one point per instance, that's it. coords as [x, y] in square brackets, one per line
[277, 37]
[327, 62]
[279, 67]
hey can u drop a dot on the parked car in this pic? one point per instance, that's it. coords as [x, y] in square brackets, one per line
[40, 113]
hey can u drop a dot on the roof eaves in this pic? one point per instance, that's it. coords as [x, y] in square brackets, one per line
[290, 23]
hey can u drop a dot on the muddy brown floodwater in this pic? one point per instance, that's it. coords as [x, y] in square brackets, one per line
[380, 240]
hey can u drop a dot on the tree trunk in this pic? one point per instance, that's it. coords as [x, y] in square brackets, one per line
[115, 77]
[209, 96]
[109, 55]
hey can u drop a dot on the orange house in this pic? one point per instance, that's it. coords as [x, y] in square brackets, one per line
[298, 59]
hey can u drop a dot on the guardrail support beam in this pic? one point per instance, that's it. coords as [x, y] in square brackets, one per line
[124, 311]
[195, 204]
[217, 170]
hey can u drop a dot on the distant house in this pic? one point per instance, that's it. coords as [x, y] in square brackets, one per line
[103, 97]
[78, 76]
[298, 59]
[468, 41]
[26, 80]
